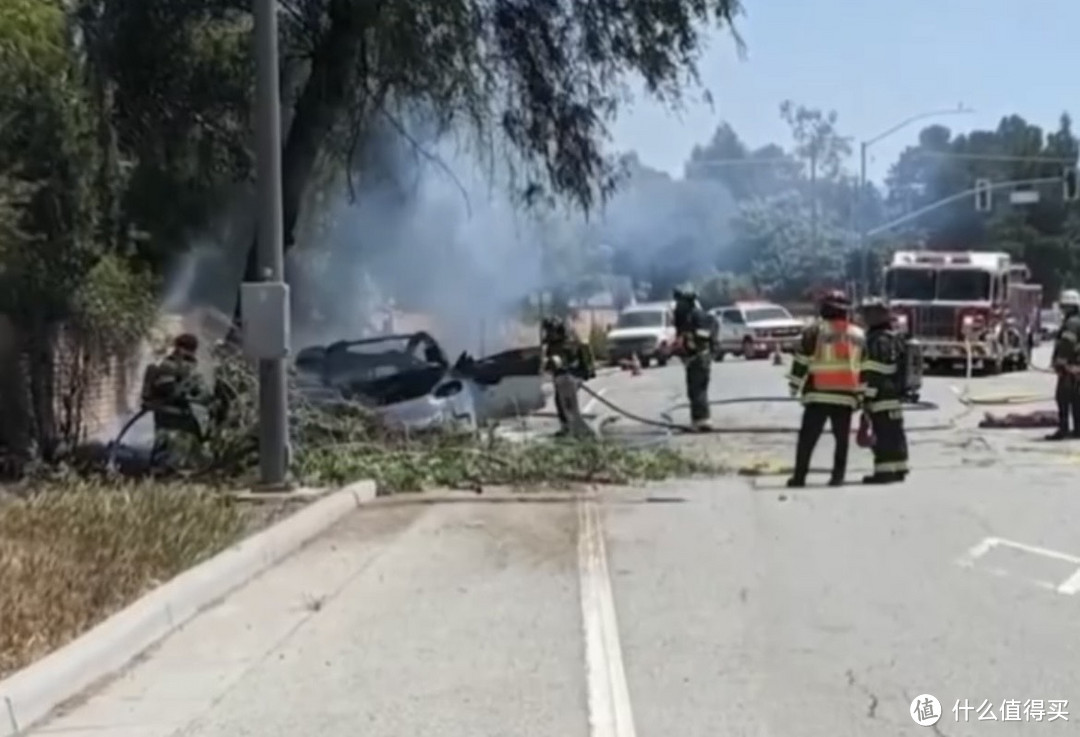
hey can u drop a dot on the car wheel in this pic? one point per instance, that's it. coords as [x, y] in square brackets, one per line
[645, 361]
[747, 349]
[719, 356]
[661, 361]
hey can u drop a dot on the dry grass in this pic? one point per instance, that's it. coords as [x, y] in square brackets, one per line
[71, 556]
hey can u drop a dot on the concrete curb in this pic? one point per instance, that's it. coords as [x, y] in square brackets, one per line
[34, 692]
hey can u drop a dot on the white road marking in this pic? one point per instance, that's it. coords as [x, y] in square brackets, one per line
[1071, 585]
[610, 714]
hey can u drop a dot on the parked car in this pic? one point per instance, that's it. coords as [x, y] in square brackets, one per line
[755, 330]
[408, 379]
[645, 330]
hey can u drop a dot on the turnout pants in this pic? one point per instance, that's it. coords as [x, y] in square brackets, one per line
[815, 415]
[1067, 395]
[890, 442]
[698, 370]
[567, 408]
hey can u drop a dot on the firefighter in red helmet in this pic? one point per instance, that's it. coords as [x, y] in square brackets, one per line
[825, 377]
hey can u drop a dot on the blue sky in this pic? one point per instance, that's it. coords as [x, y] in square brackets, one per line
[875, 63]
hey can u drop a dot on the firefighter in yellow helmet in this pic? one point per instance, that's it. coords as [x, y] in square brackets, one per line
[1066, 363]
[825, 376]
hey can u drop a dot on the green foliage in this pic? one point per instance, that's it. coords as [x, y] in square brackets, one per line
[456, 461]
[114, 304]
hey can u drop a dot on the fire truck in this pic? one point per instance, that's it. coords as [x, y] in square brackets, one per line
[950, 303]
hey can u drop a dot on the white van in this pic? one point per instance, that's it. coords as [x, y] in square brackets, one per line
[645, 330]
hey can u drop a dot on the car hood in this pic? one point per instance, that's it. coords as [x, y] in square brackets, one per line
[635, 333]
[777, 323]
[424, 413]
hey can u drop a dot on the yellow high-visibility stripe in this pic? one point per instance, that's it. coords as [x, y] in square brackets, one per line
[843, 400]
[876, 367]
[891, 467]
[885, 405]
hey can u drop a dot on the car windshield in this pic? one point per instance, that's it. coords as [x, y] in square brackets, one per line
[915, 284]
[641, 319]
[761, 314]
[963, 285]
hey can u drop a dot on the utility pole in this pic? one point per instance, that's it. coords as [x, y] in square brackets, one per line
[864, 256]
[813, 199]
[266, 322]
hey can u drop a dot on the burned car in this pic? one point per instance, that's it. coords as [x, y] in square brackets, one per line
[410, 381]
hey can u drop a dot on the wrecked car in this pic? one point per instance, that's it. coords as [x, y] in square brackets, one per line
[408, 379]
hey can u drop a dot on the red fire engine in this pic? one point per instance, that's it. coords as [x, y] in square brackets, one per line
[950, 303]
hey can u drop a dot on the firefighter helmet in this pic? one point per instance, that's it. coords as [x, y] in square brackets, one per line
[874, 312]
[836, 299]
[1069, 298]
[186, 343]
[685, 293]
[552, 328]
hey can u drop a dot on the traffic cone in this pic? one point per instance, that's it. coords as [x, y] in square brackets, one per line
[635, 365]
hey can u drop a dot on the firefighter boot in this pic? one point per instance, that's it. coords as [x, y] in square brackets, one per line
[882, 478]
[702, 426]
[796, 483]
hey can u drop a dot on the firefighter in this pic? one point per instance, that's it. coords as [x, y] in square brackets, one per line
[569, 361]
[179, 399]
[884, 385]
[694, 336]
[825, 376]
[1066, 363]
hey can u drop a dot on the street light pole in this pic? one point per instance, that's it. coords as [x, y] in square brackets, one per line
[273, 389]
[864, 276]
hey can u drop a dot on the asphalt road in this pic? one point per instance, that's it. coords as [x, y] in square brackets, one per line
[713, 608]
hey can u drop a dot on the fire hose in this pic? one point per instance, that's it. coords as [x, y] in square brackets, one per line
[964, 397]
[666, 423]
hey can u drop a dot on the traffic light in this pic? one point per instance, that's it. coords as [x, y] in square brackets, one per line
[984, 196]
[1069, 189]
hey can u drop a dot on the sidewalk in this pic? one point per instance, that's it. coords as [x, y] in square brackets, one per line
[456, 620]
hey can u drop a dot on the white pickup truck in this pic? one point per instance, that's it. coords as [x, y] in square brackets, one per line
[755, 330]
[645, 330]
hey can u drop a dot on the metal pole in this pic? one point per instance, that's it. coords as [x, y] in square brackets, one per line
[860, 203]
[273, 390]
[956, 198]
[813, 202]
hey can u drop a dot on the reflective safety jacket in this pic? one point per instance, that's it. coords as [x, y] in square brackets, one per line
[881, 376]
[827, 364]
[1066, 358]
